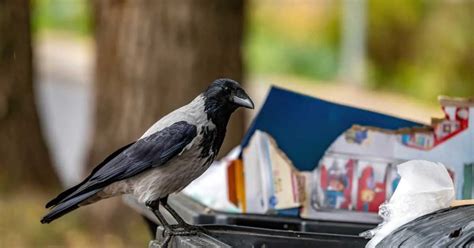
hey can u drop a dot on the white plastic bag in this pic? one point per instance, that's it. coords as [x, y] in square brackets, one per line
[424, 187]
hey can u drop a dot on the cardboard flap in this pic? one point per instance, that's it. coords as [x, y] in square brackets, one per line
[304, 127]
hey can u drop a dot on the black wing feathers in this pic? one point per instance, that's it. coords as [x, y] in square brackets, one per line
[154, 150]
[151, 151]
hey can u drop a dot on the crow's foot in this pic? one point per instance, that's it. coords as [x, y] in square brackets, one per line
[193, 228]
[175, 231]
[180, 231]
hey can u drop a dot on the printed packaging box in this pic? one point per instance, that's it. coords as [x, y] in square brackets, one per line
[336, 177]
[357, 152]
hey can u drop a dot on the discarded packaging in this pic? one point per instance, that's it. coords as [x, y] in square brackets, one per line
[272, 183]
[424, 187]
[341, 160]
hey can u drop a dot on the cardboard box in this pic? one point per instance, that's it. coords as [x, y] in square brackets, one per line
[356, 150]
[272, 184]
[449, 140]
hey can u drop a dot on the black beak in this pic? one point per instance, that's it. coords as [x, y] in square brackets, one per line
[243, 100]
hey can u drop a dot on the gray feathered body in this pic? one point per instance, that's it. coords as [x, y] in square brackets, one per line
[179, 171]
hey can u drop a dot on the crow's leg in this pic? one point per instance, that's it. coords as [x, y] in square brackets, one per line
[170, 229]
[154, 206]
[181, 223]
[164, 203]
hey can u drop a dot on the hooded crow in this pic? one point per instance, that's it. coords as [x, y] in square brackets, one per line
[171, 154]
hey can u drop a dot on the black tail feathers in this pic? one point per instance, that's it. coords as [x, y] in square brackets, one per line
[66, 207]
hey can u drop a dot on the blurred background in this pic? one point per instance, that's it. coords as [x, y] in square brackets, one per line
[79, 78]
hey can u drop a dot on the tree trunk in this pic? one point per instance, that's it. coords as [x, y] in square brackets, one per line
[24, 157]
[155, 56]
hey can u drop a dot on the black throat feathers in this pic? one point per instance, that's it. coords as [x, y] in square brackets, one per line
[212, 141]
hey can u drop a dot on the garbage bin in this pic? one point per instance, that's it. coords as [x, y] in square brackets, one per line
[249, 230]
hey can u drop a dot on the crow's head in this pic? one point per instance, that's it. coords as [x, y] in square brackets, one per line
[222, 98]
[226, 94]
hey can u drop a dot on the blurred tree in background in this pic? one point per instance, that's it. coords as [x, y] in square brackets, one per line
[153, 57]
[24, 156]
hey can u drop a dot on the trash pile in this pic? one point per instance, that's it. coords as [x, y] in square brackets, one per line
[307, 157]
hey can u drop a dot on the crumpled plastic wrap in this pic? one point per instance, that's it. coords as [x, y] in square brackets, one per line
[424, 187]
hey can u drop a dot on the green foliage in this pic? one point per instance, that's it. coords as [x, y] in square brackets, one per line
[269, 53]
[69, 16]
[420, 48]
[280, 41]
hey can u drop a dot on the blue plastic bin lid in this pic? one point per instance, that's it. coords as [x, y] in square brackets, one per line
[304, 127]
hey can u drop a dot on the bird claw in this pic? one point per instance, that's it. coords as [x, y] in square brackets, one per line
[179, 230]
[196, 229]
[184, 230]
[181, 233]
[176, 230]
